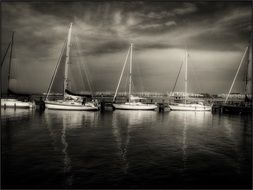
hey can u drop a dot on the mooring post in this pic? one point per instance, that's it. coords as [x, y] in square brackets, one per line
[113, 101]
[160, 107]
[102, 105]
[41, 104]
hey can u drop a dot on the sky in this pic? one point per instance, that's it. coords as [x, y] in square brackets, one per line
[215, 35]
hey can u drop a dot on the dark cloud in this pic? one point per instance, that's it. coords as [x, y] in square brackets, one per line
[186, 9]
[154, 46]
[103, 31]
[110, 47]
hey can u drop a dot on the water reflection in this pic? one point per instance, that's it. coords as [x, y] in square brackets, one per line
[58, 124]
[245, 145]
[74, 119]
[123, 122]
[55, 120]
[15, 113]
[184, 147]
[188, 123]
[94, 150]
[196, 119]
[135, 118]
[237, 132]
[67, 161]
[12, 117]
[121, 133]
[228, 127]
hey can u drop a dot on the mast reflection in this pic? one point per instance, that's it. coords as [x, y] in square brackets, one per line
[67, 160]
[120, 125]
[123, 123]
[184, 146]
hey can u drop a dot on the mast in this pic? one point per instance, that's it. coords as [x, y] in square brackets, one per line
[236, 74]
[9, 69]
[185, 76]
[130, 72]
[5, 53]
[67, 61]
[177, 77]
[121, 75]
[248, 85]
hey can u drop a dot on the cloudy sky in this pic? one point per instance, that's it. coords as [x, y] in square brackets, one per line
[215, 34]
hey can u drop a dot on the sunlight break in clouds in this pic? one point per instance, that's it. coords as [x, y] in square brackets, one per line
[105, 29]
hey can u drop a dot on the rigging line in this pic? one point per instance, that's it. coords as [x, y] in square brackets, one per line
[133, 87]
[88, 80]
[9, 70]
[56, 68]
[196, 85]
[2, 62]
[141, 77]
[79, 60]
[139, 73]
[177, 77]
[195, 76]
[86, 74]
[130, 69]
[126, 85]
[236, 74]
[11, 51]
[132, 84]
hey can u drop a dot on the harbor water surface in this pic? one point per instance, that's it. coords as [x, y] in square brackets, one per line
[125, 149]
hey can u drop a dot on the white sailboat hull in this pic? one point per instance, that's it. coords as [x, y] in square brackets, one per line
[135, 106]
[56, 105]
[190, 107]
[14, 103]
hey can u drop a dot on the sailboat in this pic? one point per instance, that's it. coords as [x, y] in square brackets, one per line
[69, 102]
[189, 106]
[133, 102]
[10, 102]
[246, 106]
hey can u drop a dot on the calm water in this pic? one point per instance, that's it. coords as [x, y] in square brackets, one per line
[125, 149]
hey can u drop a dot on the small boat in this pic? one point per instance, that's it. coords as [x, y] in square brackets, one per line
[15, 103]
[190, 107]
[133, 102]
[69, 102]
[10, 102]
[186, 106]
